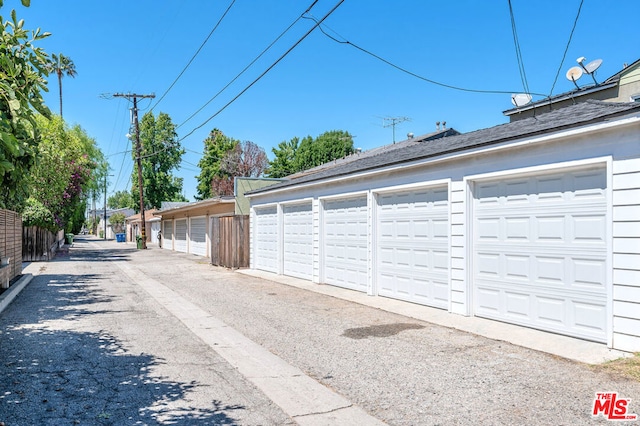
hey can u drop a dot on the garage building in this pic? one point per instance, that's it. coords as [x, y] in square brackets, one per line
[534, 223]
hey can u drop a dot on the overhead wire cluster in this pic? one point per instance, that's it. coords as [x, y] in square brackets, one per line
[319, 23]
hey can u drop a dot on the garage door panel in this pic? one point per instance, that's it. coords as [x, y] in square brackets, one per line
[198, 236]
[345, 232]
[298, 240]
[180, 237]
[589, 228]
[167, 235]
[412, 246]
[539, 255]
[266, 239]
[589, 316]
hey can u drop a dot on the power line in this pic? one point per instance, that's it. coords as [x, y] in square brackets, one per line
[266, 71]
[250, 64]
[404, 70]
[516, 42]
[564, 56]
[194, 55]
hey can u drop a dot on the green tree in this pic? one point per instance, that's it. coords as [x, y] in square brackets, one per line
[284, 162]
[293, 156]
[23, 70]
[161, 154]
[62, 65]
[64, 172]
[216, 147]
[117, 222]
[120, 200]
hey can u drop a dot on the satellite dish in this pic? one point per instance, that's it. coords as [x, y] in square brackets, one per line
[574, 75]
[520, 99]
[592, 66]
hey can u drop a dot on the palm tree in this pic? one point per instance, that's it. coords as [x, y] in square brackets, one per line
[62, 65]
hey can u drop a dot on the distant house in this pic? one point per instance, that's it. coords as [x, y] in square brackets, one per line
[623, 86]
[99, 213]
[189, 227]
[534, 222]
[151, 227]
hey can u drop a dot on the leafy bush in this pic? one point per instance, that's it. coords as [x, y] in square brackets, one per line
[36, 214]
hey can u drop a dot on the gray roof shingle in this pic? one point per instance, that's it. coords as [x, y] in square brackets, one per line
[573, 116]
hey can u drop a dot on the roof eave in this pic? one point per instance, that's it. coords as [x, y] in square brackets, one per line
[198, 204]
[567, 96]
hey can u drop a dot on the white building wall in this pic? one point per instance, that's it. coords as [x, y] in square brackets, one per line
[315, 205]
[619, 142]
[626, 254]
[460, 297]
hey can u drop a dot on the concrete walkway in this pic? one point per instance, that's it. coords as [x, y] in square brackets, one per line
[304, 399]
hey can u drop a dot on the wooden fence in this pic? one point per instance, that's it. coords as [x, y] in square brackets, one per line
[230, 241]
[40, 244]
[10, 244]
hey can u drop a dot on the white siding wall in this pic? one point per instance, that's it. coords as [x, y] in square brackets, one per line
[459, 299]
[316, 240]
[626, 254]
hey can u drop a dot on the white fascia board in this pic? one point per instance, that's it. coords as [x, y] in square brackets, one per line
[344, 195]
[524, 171]
[552, 137]
[306, 200]
[411, 186]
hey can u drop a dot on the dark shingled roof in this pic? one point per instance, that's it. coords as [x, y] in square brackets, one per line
[376, 151]
[583, 113]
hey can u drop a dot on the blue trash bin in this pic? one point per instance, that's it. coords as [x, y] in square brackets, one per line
[120, 238]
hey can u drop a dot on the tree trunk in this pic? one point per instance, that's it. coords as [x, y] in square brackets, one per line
[60, 89]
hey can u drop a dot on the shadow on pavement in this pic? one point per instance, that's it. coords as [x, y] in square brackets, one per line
[53, 373]
[81, 251]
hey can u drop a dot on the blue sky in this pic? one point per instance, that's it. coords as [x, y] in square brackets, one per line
[141, 46]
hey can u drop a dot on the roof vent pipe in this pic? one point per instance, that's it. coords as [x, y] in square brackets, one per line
[444, 125]
[437, 125]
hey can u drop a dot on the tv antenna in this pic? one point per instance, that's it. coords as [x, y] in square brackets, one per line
[591, 67]
[520, 99]
[393, 122]
[574, 75]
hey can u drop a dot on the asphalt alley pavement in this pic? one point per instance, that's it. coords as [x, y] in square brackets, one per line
[111, 335]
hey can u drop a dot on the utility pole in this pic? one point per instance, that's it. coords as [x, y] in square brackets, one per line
[393, 122]
[135, 97]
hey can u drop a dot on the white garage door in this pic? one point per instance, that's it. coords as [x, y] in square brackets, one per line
[412, 246]
[345, 243]
[180, 237]
[298, 240]
[198, 236]
[155, 228]
[539, 256]
[266, 239]
[167, 235]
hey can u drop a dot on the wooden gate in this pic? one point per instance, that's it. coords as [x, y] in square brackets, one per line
[39, 244]
[10, 244]
[230, 241]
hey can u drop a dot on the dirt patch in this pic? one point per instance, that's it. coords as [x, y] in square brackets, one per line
[625, 367]
[382, 330]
